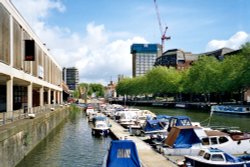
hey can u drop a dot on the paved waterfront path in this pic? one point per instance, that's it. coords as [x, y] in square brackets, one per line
[148, 156]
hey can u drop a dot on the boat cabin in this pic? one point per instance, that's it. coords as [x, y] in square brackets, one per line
[179, 121]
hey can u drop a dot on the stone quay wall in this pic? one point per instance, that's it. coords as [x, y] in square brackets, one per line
[17, 139]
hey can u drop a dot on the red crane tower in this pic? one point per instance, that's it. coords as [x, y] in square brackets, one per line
[163, 32]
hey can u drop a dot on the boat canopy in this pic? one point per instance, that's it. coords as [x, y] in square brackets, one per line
[180, 121]
[182, 137]
[153, 125]
[228, 157]
[100, 118]
[163, 117]
[123, 153]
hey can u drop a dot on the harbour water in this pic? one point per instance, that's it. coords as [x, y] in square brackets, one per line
[217, 119]
[71, 143]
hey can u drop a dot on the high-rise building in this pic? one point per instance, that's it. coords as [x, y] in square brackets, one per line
[71, 77]
[144, 56]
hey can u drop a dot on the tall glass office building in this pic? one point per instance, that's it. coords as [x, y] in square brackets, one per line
[144, 56]
[71, 77]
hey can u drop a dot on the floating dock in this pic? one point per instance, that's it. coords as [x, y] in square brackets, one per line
[148, 156]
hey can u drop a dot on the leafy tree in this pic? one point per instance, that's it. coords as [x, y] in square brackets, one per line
[98, 89]
[204, 76]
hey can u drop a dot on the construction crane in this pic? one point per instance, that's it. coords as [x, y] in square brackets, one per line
[163, 32]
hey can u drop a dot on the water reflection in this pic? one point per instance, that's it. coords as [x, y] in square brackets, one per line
[69, 145]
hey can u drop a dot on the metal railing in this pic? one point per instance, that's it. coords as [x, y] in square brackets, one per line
[11, 116]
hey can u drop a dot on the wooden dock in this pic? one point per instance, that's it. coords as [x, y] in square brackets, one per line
[148, 156]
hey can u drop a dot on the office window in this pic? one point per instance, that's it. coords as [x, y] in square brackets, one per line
[5, 35]
[17, 43]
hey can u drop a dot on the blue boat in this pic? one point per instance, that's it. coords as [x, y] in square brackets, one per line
[213, 157]
[122, 153]
[153, 127]
[231, 109]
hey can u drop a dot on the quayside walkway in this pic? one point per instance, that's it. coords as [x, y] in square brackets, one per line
[148, 156]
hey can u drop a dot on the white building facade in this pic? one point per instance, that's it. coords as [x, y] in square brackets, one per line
[25, 84]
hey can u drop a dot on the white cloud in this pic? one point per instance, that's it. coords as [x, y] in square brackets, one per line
[34, 10]
[233, 42]
[97, 57]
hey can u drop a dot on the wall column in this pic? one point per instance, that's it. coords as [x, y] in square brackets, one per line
[54, 97]
[9, 97]
[61, 97]
[49, 96]
[30, 93]
[41, 91]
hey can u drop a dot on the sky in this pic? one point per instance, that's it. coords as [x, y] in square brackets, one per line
[95, 35]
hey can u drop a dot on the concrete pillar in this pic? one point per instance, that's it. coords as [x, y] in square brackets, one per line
[49, 96]
[9, 97]
[61, 97]
[41, 91]
[30, 94]
[54, 97]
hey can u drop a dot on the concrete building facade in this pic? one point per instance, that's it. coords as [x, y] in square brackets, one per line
[71, 77]
[143, 57]
[176, 58]
[27, 80]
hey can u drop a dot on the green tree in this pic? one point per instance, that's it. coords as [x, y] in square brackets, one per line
[163, 80]
[98, 89]
[204, 76]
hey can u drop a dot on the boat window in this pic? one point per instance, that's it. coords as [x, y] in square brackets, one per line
[123, 153]
[205, 141]
[185, 122]
[201, 153]
[222, 140]
[173, 122]
[207, 156]
[217, 157]
[213, 140]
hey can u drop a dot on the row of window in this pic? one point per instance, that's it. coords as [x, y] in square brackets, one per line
[43, 67]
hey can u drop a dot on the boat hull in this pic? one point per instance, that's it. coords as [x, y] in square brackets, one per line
[194, 163]
[100, 132]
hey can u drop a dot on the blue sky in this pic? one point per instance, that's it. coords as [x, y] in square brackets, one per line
[95, 36]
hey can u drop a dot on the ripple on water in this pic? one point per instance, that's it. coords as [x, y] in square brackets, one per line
[69, 145]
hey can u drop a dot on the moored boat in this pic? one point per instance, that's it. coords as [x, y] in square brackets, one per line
[213, 157]
[231, 109]
[100, 126]
[122, 153]
[188, 140]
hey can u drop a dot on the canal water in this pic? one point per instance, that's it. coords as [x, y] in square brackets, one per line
[72, 145]
[217, 119]
[69, 145]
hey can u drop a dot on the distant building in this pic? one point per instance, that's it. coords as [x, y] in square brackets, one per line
[144, 56]
[176, 58]
[219, 53]
[179, 59]
[71, 77]
[110, 90]
[120, 77]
